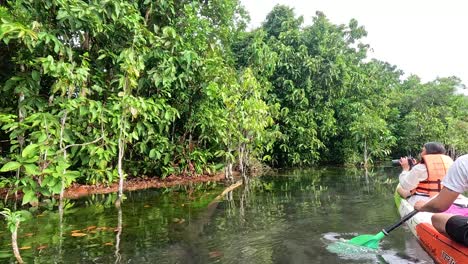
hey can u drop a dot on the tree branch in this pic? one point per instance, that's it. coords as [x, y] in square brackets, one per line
[82, 144]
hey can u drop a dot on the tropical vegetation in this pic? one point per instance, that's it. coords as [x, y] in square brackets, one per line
[99, 91]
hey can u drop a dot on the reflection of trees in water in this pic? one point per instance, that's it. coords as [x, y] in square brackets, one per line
[179, 223]
[153, 219]
[260, 218]
[257, 216]
[375, 180]
[118, 205]
[264, 195]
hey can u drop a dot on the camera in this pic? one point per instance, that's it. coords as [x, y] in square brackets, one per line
[396, 162]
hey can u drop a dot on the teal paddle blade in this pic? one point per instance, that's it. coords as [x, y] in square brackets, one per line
[350, 251]
[370, 241]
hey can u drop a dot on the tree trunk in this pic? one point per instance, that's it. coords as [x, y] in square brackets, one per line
[241, 160]
[365, 154]
[228, 171]
[62, 146]
[20, 137]
[120, 158]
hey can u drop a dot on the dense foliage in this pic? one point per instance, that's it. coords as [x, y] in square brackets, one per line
[95, 91]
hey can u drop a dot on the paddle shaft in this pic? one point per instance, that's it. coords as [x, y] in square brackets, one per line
[399, 223]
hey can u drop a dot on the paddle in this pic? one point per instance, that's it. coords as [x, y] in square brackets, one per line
[372, 241]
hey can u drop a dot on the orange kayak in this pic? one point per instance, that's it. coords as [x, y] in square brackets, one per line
[441, 248]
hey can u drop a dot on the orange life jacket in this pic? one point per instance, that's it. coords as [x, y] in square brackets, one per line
[437, 166]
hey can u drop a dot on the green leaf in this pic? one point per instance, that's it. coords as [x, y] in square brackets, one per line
[153, 153]
[10, 166]
[42, 138]
[61, 14]
[30, 160]
[57, 188]
[31, 169]
[70, 176]
[35, 75]
[29, 151]
[12, 227]
[135, 135]
[56, 47]
[167, 158]
[25, 214]
[102, 164]
[168, 115]
[46, 181]
[29, 196]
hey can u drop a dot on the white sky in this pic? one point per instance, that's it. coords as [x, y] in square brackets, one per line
[428, 38]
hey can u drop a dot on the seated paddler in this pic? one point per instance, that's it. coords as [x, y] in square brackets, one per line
[423, 180]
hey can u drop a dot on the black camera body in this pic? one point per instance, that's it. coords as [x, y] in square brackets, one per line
[396, 162]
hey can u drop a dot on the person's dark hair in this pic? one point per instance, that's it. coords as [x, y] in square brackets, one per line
[434, 148]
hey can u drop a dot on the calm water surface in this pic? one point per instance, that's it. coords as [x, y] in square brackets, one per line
[286, 217]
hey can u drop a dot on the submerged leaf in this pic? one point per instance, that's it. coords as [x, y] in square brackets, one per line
[78, 234]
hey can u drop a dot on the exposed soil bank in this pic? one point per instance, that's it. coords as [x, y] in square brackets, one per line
[78, 190]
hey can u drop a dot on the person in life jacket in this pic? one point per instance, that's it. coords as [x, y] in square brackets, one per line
[424, 180]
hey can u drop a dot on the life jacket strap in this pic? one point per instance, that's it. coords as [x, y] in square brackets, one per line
[439, 186]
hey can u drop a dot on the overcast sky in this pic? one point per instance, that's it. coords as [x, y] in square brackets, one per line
[428, 38]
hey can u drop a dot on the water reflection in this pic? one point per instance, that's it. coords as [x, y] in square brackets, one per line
[286, 217]
[282, 218]
[118, 205]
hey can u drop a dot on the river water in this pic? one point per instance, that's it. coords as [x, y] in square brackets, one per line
[284, 217]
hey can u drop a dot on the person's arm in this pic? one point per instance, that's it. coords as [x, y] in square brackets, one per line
[410, 179]
[439, 203]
